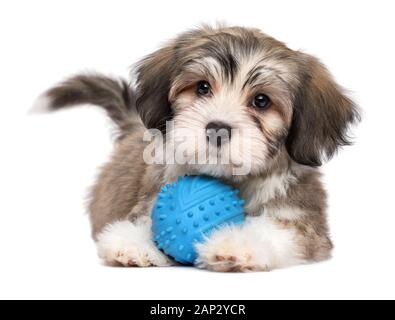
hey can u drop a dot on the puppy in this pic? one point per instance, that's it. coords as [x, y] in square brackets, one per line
[282, 115]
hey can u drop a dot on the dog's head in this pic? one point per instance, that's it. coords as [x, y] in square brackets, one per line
[237, 92]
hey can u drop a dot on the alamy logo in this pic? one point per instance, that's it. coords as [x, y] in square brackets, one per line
[186, 146]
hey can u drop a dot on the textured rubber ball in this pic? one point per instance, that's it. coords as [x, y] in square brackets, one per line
[189, 210]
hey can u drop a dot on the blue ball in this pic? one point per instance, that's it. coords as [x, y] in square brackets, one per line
[189, 210]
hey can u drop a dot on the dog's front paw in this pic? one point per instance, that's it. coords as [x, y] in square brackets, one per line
[129, 245]
[228, 250]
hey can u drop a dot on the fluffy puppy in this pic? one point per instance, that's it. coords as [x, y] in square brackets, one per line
[282, 114]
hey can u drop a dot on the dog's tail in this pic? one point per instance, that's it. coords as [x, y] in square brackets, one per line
[114, 95]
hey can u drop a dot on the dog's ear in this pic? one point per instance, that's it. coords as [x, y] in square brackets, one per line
[322, 115]
[154, 76]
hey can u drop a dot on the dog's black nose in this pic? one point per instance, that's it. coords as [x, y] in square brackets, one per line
[218, 133]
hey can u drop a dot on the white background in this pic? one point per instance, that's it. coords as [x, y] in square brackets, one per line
[48, 162]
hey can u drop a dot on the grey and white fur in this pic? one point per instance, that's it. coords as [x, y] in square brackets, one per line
[303, 121]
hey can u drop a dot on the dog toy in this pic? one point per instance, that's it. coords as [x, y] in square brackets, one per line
[189, 210]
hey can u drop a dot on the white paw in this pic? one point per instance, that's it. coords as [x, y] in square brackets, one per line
[259, 245]
[130, 245]
[228, 251]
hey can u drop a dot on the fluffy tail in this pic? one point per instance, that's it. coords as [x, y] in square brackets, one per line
[115, 96]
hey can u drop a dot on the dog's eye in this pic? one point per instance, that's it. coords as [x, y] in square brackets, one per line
[203, 88]
[261, 101]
